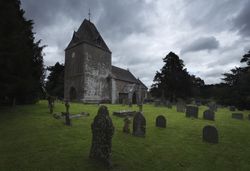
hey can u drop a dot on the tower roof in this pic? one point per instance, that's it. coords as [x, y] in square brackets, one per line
[87, 32]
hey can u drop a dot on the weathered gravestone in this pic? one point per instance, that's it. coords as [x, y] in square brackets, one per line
[139, 125]
[102, 133]
[192, 111]
[168, 104]
[232, 108]
[181, 107]
[210, 134]
[237, 116]
[160, 121]
[208, 115]
[67, 118]
[127, 122]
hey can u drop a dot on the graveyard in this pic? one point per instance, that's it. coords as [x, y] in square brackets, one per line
[32, 138]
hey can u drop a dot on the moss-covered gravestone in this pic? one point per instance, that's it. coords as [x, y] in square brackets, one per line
[210, 134]
[160, 121]
[192, 111]
[208, 115]
[139, 125]
[102, 133]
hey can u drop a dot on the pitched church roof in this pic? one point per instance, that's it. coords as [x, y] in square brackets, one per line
[88, 33]
[125, 75]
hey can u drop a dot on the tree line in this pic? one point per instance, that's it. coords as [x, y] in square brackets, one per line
[173, 82]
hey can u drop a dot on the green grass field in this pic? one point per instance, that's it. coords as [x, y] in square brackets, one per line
[31, 139]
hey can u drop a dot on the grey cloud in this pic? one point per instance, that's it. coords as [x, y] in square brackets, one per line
[203, 43]
[242, 21]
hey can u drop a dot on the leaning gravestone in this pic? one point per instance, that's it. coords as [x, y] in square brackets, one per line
[237, 116]
[102, 133]
[160, 121]
[127, 122]
[232, 108]
[139, 125]
[192, 111]
[208, 115]
[210, 134]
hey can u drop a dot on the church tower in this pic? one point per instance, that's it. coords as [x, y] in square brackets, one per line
[87, 66]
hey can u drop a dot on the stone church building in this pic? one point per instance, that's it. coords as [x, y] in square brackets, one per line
[89, 75]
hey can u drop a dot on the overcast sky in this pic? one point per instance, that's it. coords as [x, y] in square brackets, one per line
[209, 36]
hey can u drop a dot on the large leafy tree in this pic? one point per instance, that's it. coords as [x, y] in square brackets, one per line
[238, 81]
[173, 81]
[21, 60]
[55, 83]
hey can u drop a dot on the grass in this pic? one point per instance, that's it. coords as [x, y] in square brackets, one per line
[31, 139]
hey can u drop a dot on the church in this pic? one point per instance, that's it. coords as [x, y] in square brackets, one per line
[90, 76]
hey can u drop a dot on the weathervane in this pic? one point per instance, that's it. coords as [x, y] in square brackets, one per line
[89, 14]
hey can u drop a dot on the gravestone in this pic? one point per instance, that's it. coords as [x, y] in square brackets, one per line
[212, 106]
[210, 134]
[192, 111]
[102, 133]
[139, 125]
[67, 118]
[208, 115]
[160, 121]
[237, 116]
[180, 107]
[126, 127]
[232, 108]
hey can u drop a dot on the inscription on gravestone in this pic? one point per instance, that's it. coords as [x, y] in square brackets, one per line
[210, 134]
[139, 125]
[160, 121]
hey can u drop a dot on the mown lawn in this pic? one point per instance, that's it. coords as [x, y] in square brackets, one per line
[31, 139]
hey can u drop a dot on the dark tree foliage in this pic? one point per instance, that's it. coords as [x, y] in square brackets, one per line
[21, 60]
[237, 92]
[174, 81]
[55, 83]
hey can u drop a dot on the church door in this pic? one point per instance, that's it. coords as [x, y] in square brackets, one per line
[72, 94]
[134, 98]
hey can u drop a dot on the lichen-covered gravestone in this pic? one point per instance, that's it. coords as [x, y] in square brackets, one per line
[160, 121]
[208, 115]
[237, 116]
[102, 133]
[139, 125]
[67, 119]
[127, 122]
[210, 134]
[192, 111]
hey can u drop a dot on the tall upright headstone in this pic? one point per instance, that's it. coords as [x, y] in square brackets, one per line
[192, 111]
[139, 125]
[102, 133]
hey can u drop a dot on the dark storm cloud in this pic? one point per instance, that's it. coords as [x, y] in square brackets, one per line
[203, 43]
[242, 21]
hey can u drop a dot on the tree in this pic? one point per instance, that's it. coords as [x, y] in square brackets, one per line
[55, 83]
[21, 60]
[174, 81]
